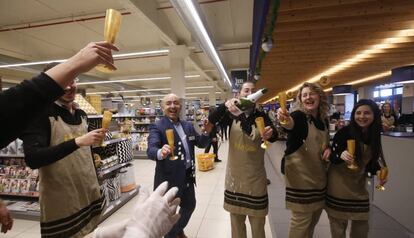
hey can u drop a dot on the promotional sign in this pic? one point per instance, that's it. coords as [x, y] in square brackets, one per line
[238, 77]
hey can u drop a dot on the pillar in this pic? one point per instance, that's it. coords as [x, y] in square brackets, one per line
[177, 68]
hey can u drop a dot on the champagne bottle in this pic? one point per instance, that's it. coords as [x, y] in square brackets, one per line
[250, 100]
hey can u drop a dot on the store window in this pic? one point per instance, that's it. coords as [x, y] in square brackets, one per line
[386, 92]
[398, 91]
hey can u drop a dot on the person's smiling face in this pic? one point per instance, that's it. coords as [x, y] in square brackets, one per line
[171, 106]
[364, 116]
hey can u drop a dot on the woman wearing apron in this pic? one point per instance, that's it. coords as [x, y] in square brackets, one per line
[58, 144]
[304, 163]
[245, 183]
[347, 196]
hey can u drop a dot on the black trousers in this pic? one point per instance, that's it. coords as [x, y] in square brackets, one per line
[187, 206]
[215, 148]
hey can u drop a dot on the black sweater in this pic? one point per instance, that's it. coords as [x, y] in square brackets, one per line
[36, 139]
[222, 116]
[339, 144]
[21, 104]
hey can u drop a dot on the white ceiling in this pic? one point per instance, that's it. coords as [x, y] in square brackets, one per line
[37, 30]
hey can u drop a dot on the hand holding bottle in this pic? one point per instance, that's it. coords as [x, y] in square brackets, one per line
[231, 105]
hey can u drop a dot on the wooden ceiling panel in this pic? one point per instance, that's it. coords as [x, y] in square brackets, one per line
[312, 37]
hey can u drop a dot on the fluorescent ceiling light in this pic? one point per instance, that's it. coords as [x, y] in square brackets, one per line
[405, 82]
[134, 80]
[191, 18]
[115, 56]
[145, 90]
[158, 95]
[31, 63]
[142, 54]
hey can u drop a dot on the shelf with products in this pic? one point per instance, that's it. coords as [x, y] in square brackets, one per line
[115, 205]
[112, 163]
[19, 184]
[135, 128]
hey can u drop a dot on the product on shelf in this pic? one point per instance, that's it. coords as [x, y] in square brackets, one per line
[85, 105]
[127, 178]
[15, 177]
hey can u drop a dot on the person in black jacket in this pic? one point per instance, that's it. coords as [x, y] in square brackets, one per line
[304, 162]
[58, 144]
[22, 104]
[214, 140]
[347, 196]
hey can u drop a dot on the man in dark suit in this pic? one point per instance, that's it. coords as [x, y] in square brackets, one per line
[179, 172]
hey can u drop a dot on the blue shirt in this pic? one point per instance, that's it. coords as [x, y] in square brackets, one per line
[183, 137]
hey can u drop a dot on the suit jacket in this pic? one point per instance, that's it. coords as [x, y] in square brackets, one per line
[174, 171]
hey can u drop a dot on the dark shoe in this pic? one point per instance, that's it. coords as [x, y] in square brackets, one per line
[217, 160]
[267, 181]
[182, 236]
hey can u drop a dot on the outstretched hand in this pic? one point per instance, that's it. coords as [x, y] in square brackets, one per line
[155, 214]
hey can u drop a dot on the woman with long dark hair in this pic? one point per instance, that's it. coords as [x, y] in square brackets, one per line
[304, 165]
[347, 196]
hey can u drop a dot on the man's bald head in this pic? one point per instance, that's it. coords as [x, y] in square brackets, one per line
[171, 106]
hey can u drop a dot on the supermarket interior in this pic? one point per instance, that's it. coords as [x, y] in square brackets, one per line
[332, 82]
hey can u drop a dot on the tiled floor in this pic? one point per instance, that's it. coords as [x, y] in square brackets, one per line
[210, 220]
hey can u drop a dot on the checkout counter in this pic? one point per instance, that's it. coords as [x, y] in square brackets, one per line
[398, 199]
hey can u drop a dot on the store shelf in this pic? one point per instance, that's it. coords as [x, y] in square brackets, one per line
[105, 143]
[143, 123]
[135, 131]
[103, 173]
[11, 155]
[115, 205]
[18, 195]
[140, 154]
[26, 215]
[123, 116]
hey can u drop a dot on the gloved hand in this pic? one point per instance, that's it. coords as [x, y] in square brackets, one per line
[116, 230]
[154, 215]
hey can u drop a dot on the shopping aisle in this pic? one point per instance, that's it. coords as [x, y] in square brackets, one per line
[208, 220]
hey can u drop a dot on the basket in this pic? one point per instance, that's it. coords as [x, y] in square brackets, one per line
[205, 162]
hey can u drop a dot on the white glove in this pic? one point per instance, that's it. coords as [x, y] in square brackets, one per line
[154, 215]
[116, 230]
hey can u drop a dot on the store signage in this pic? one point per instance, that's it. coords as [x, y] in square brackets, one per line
[238, 77]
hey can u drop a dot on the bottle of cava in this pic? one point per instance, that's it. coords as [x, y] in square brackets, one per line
[249, 101]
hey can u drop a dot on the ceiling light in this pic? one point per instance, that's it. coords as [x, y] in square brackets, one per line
[145, 90]
[141, 54]
[267, 44]
[134, 80]
[191, 18]
[115, 56]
